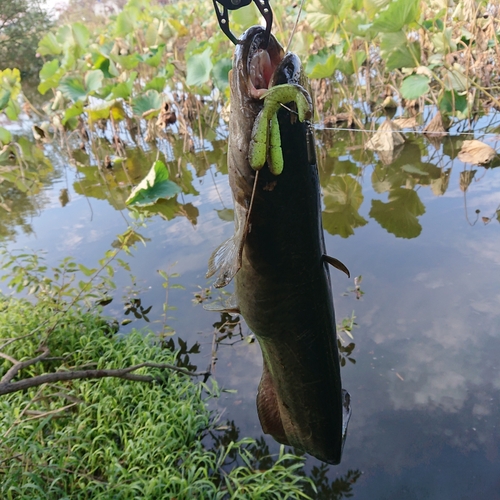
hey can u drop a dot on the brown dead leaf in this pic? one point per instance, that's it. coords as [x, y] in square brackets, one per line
[466, 178]
[437, 125]
[476, 152]
[406, 122]
[389, 103]
[387, 138]
[332, 120]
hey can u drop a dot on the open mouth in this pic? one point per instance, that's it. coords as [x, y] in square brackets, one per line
[262, 63]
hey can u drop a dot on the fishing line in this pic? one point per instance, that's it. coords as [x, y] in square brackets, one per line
[295, 25]
[378, 131]
[421, 132]
[247, 220]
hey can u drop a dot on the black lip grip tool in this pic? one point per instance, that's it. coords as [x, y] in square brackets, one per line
[221, 10]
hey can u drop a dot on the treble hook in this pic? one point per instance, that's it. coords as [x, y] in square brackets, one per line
[222, 16]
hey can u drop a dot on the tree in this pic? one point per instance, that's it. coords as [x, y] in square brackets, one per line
[22, 25]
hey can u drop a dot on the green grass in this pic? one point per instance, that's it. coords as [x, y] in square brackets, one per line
[113, 438]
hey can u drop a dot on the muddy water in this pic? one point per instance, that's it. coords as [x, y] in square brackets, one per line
[423, 231]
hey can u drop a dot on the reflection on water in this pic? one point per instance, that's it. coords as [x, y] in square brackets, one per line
[422, 231]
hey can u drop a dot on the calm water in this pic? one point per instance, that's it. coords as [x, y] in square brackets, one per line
[425, 387]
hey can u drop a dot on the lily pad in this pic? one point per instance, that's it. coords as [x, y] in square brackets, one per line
[397, 15]
[199, 67]
[414, 86]
[146, 102]
[343, 197]
[154, 186]
[399, 215]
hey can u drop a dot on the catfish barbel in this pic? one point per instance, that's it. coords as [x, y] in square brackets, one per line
[278, 261]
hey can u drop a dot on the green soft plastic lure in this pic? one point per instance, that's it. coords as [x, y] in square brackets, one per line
[265, 142]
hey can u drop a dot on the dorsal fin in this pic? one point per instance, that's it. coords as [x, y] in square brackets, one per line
[337, 264]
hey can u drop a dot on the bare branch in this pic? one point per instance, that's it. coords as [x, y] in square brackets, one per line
[8, 358]
[15, 339]
[43, 414]
[20, 365]
[8, 387]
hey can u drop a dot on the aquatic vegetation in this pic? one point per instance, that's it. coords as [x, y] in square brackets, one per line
[115, 437]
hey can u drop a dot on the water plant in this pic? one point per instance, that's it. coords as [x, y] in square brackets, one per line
[87, 412]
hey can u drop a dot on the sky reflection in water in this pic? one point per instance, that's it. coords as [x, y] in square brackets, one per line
[425, 388]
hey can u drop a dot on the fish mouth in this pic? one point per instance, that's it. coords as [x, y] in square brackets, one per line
[261, 63]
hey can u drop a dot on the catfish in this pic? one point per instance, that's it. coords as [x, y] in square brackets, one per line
[277, 258]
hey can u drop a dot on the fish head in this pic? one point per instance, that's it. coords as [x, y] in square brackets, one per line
[255, 70]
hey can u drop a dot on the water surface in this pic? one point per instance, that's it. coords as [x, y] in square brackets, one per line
[423, 231]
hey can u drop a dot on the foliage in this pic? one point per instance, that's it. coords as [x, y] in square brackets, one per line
[22, 24]
[114, 438]
[154, 186]
[111, 438]
[124, 65]
[424, 51]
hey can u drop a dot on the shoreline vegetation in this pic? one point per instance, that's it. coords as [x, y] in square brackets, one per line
[86, 412]
[114, 438]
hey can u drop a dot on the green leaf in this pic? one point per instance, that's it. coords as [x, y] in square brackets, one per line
[399, 215]
[123, 90]
[398, 52]
[12, 110]
[49, 46]
[322, 64]
[73, 111]
[153, 58]
[150, 100]
[127, 62]
[342, 197]
[455, 80]
[50, 76]
[93, 80]
[4, 98]
[412, 169]
[373, 7]
[350, 65]
[226, 214]
[73, 88]
[451, 101]
[220, 73]
[99, 111]
[81, 34]
[414, 86]
[124, 23]
[49, 69]
[157, 83]
[198, 68]
[5, 136]
[397, 15]
[154, 186]
[443, 42]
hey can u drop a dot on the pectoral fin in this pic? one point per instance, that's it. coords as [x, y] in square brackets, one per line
[226, 259]
[337, 264]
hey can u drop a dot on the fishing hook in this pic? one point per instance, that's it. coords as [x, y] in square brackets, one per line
[222, 16]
